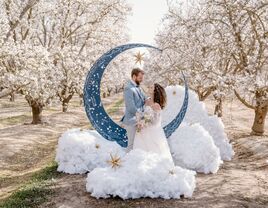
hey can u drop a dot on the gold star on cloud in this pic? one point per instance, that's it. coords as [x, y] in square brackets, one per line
[139, 57]
[115, 161]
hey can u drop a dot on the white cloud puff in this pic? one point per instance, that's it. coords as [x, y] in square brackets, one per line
[141, 174]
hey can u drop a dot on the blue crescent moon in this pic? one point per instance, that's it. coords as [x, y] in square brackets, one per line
[98, 117]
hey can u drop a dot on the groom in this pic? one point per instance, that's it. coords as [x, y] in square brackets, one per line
[134, 101]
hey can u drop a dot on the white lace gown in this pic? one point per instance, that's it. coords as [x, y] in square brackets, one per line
[152, 138]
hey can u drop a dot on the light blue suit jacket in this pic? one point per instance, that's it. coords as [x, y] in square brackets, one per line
[134, 101]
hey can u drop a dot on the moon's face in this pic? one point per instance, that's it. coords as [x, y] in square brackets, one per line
[98, 117]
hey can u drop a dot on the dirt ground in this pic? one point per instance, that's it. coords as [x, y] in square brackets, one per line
[241, 182]
[27, 148]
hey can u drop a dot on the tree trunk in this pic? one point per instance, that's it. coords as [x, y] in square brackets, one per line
[65, 105]
[65, 102]
[259, 120]
[109, 93]
[81, 99]
[116, 90]
[37, 114]
[122, 88]
[218, 108]
[12, 97]
[81, 102]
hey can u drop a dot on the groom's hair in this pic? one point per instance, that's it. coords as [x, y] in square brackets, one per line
[136, 72]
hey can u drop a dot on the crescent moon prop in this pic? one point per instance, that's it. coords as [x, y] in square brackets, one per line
[98, 117]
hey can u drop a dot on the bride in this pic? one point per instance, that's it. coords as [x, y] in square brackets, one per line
[151, 137]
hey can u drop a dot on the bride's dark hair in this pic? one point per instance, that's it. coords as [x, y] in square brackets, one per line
[160, 95]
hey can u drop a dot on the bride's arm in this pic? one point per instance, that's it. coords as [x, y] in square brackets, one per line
[156, 113]
[156, 107]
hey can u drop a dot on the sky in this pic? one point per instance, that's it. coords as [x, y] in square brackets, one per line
[146, 18]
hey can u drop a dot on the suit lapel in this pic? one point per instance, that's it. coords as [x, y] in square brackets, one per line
[137, 90]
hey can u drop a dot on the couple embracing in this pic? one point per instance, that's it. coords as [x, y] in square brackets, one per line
[142, 119]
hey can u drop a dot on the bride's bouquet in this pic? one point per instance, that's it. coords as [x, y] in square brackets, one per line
[144, 118]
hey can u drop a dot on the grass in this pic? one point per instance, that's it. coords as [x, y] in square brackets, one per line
[35, 191]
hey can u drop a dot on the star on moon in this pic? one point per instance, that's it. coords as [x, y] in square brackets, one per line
[139, 57]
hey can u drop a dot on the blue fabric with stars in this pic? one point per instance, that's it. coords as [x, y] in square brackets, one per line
[98, 117]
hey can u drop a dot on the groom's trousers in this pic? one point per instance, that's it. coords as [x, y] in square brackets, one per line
[131, 131]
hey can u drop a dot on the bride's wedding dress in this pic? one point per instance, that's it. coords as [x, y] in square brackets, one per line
[152, 138]
[146, 171]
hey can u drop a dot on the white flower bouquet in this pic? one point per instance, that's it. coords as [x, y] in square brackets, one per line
[144, 118]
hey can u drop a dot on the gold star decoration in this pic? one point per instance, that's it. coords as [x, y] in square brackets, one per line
[115, 161]
[174, 92]
[97, 146]
[139, 57]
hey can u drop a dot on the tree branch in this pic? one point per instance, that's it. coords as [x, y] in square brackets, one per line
[243, 100]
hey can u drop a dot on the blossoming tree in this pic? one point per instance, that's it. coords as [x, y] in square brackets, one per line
[222, 45]
[47, 46]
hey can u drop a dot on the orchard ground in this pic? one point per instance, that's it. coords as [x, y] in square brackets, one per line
[27, 150]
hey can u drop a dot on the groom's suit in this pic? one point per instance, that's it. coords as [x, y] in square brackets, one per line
[134, 101]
